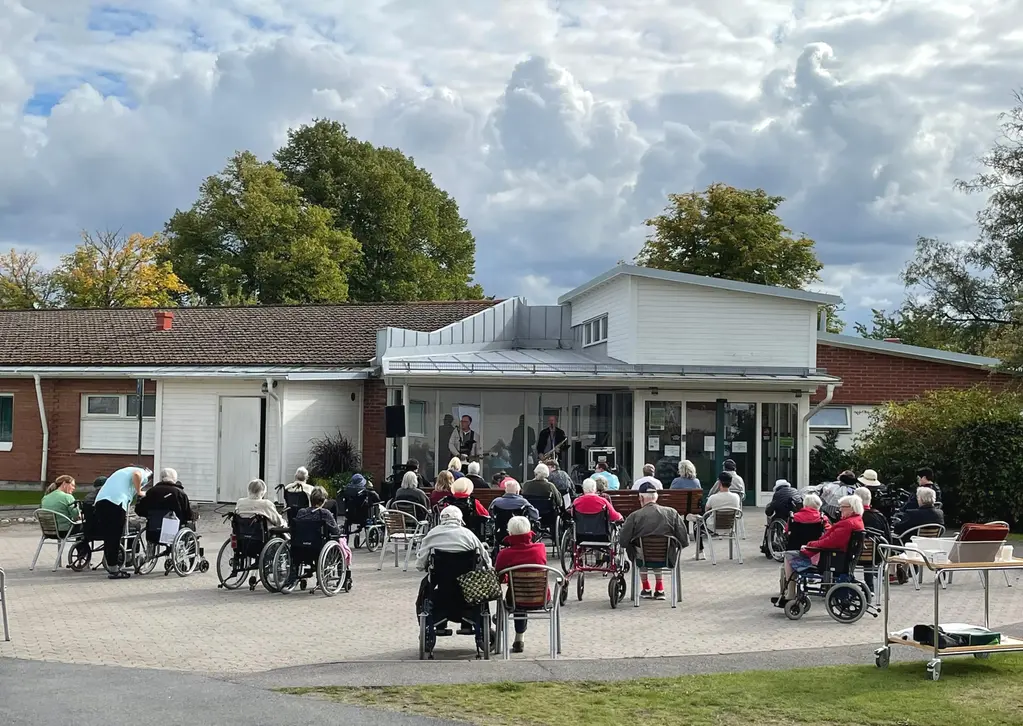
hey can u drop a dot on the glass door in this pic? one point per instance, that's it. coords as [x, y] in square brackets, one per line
[701, 440]
[664, 445]
[778, 444]
[741, 444]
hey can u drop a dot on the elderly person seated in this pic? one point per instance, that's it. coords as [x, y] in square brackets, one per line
[612, 479]
[167, 495]
[97, 484]
[924, 478]
[317, 512]
[359, 499]
[473, 474]
[448, 536]
[441, 487]
[541, 486]
[602, 485]
[257, 505]
[648, 476]
[60, 498]
[686, 478]
[455, 467]
[461, 497]
[409, 491]
[832, 492]
[652, 520]
[513, 501]
[924, 513]
[785, 501]
[301, 483]
[560, 478]
[520, 549]
[876, 524]
[835, 538]
[592, 503]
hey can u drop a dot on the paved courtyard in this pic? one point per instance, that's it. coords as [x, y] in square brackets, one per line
[190, 625]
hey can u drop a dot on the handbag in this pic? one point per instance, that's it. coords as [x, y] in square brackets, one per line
[479, 586]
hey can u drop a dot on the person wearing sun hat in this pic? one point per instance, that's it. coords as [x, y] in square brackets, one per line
[869, 479]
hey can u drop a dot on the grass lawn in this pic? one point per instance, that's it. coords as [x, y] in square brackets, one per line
[22, 497]
[978, 693]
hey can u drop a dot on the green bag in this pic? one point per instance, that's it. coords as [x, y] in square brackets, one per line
[479, 586]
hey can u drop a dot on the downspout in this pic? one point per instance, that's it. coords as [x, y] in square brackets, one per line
[45, 427]
[824, 402]
[280, 429]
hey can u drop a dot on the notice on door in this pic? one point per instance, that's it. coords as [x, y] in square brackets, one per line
[653, 443]
[786, 442]
[708, 444]
[739, 447]
[675, 451]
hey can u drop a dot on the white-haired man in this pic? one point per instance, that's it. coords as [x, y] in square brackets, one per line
[513, 501]
[653, 520]
[301, 483]
[257, 505]
[473, 474]
[648, 477]
[541, 486]
[167, 495]
[449, 536]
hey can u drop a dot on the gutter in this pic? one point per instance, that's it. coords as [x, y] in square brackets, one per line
[824, 402]
[280, 429]
[46, 429]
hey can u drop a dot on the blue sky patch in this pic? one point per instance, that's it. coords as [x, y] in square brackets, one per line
[119, 21]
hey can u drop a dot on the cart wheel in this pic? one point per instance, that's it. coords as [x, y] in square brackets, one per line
[580, 586]
[934, 669]
[981, 656]
[612, 593]
[882, 657]
[794, 610]
[563, 597]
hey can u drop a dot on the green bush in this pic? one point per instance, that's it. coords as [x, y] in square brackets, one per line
[972, 439]
[827, 461]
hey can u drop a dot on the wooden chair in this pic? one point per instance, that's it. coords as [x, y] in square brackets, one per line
[655, 553]
[50, 523]
[534, 592]
[400, 530]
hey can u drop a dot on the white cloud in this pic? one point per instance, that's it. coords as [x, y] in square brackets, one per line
[558, 125]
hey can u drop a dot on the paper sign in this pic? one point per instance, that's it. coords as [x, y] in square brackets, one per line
[675, 451]
[786, 442]
[656, 419]
[739, 447]
[708, 444]
[653, 443]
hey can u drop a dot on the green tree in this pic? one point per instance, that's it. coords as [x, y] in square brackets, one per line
[414, 243]
[23, 283]
[729, 233]
[252, 238]
[917, 327]
[110, 270]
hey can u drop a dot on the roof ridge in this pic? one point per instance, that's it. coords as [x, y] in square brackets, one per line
[272, 306]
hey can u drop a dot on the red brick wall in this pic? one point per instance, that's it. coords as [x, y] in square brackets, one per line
[374, 441]
[62, 399]
[872, 378]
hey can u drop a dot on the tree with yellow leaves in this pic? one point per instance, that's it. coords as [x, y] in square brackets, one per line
[110, 270]
[23, 283]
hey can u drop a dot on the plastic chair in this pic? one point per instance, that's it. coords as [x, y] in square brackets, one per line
[50, 523]
[400, 530]
[530, 595]
[654, 553]
[725, 523]
[3, 604]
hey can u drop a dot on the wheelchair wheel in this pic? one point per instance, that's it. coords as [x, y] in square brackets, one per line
[422, 638]
[616, 591]
[794, 608]
[144, 555]
[282, 569]
[567, 551]
[331, 572]
[230, 575]
[373, 540]
[776, 541]
[580, 586]
[269, 574]
[184, 552]
[79, 556]
[846, 602]
[563, 597]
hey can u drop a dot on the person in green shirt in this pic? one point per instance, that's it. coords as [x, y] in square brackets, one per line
[60, 498]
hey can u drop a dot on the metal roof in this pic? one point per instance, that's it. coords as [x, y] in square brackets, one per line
[907, 351]
[712, 282]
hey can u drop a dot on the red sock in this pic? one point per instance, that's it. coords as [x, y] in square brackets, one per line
[660, 586]
[646, 584]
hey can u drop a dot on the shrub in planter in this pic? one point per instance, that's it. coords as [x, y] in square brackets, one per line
[333, 455]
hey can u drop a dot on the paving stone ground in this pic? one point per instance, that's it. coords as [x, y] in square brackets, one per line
[188, 624]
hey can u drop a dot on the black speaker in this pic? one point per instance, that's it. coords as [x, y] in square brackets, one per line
[394, 422]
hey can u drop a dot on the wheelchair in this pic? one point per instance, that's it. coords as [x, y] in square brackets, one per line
[133, 543]
[184, 554]
[776, 535]
[845, 598]
[286, 563]
[239, 555]
[441, 601]
[590, 545]
[363, 520]
[482, 527]
[550, 520]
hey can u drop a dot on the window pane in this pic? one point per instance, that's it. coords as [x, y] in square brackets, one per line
[148, 406]
[505, 433]
[104, 405]
[422, 441]
[834, 417]
[587, 332]
[454, 406]
[6, 419]
[603, 328]
[590, 427]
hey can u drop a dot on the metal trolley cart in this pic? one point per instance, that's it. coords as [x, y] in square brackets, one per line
[957, 562]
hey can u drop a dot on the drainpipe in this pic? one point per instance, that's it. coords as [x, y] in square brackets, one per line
[824, 402]
[45, 427]
[280, 429]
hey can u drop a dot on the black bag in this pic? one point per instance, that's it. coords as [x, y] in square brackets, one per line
[924, 634]
[479, 586]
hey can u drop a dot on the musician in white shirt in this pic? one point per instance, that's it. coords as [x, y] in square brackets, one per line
[463, 442]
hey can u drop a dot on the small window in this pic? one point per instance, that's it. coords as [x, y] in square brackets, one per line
[6, 422]
[587, 335]
[417, 418]
[148, 406]
[831, 417]
[595, 331]
[103, 405]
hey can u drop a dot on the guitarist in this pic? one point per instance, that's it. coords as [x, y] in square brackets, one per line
[551, 439]
[463, 442]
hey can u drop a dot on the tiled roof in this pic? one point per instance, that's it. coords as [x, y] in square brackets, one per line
[309, 335]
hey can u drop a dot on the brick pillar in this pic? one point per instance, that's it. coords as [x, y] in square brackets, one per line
[374, 442]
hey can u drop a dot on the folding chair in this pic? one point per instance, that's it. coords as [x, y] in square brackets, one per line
[50, 524]
[723, 522]
[3, 604]
[400, 530]
[528, 598]
[655, 553]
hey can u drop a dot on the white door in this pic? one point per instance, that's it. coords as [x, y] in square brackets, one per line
[238, 447]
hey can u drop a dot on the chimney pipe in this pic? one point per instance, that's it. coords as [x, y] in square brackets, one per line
[164, 319]
[893, 340]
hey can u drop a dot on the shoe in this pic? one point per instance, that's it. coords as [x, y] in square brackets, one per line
[466, 629]
[659, 595]
[444, 631]
[646, 594]
[517, 646]
[779, 602]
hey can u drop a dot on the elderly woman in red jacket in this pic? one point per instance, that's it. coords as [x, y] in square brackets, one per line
[520, 549]
[836, 539]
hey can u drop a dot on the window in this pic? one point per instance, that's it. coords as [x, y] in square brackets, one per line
[595, 331]
[103, 405]
[109, 423]
[831, 417]
[125, 406]
[6, 422]
[148, 405]
[417, 418]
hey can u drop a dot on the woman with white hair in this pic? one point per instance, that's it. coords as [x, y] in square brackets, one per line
[686, 478]
[455, 467]
[472, 470]
[520, 549]
[409, 490]
[257, 505]
[835, 538]
[541, 486]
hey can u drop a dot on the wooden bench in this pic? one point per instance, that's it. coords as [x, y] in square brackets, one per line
[486, 496]
[683, 501]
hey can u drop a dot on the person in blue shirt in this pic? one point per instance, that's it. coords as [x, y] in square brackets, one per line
[612, 479]
[111, 510]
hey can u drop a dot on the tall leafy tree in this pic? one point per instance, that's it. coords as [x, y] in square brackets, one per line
[110, 270]
[24, 283]
[414, 243]
[729, 233]
[916, 327]
[252, 238]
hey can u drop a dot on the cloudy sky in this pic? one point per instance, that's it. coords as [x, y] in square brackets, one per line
[558, 125]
